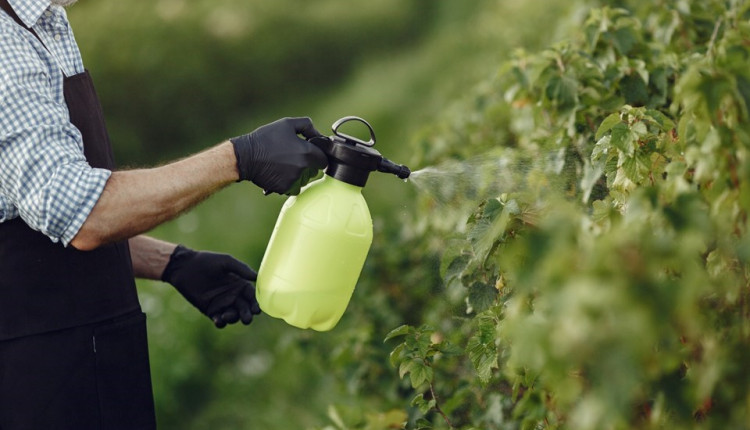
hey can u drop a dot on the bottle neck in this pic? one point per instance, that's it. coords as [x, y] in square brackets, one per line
[335, 182]
[348, 174]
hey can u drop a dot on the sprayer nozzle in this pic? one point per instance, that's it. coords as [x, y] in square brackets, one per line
[388, 166]
[403, 172]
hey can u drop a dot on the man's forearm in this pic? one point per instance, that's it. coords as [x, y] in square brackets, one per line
[150, 256]
[135, 201]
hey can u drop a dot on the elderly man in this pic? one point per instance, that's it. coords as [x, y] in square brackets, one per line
[73, 348]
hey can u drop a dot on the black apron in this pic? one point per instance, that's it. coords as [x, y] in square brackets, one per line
[45, 286]
[73, 344]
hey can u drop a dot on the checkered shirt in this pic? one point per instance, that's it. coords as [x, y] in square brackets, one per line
[44, 176]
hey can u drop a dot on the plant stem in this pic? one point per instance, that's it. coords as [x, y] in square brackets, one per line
[710, 50]
[437, 407]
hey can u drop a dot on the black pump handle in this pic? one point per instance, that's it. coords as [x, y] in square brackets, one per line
[339, 123]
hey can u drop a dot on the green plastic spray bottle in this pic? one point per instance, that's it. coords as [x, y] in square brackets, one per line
[322, 236]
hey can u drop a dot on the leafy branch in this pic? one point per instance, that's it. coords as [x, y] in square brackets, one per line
[415, 356]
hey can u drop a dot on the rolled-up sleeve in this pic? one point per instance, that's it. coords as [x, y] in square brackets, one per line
[44, 176]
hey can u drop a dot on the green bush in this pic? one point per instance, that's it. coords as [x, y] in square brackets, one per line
[604, 283]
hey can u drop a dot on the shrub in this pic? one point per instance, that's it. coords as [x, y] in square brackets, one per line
[604, 283]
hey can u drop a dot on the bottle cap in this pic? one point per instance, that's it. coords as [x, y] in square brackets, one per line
[351, 159]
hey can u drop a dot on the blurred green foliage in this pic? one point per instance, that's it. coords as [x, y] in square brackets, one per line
[174, 72]
[587, 270]
[605, 286]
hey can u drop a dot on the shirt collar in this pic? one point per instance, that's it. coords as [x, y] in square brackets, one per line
[29, 10]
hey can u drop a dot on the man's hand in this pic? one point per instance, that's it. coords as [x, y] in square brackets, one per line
[218, 285]
[275, 158]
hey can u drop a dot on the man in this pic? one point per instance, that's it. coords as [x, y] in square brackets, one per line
[73, 349]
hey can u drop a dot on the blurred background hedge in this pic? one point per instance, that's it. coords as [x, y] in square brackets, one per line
[440, 81]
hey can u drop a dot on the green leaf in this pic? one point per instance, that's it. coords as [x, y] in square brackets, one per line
[611, 168]
[481, 296]
[456, 267]
[624, 39]
[664, 123]
[455, 249]
[422, 404]
[405, 368]
[419, 342]
[639, 129]
[714, 89]
[607, 125]
[685, 130]
[659, 86]
[592, 36]
[333, 415]
[423, 424]
[392, 419]
[593, 28]
[743, 88]
[602, 210]
[592, 172]
[448, 349]
[482, 349]
[562, 90]
[637, 168]
[601, 148]
[490, 227]
[397, 355]
[622, 138]
[492, 208]
[634, 89]
[419, 372]
[398, 331]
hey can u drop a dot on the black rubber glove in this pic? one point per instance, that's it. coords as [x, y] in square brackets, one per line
[218, 285]
[276, 159]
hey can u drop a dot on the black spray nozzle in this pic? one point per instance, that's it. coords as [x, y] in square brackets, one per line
[351, 159]
[388, 166]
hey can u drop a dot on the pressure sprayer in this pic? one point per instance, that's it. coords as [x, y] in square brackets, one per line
[322, 236]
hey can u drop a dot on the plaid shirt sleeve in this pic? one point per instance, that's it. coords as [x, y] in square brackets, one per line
[44, 176]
